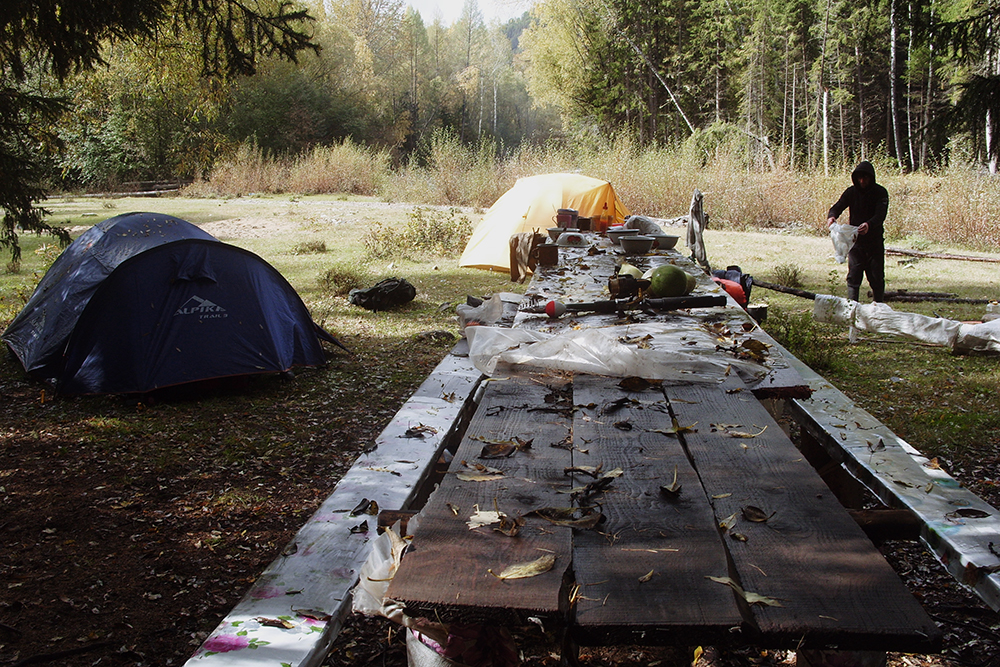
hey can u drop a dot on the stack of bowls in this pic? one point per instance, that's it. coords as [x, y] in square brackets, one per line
[615, 233]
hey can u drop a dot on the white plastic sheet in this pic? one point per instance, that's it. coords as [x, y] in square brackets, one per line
[675, 355]
[843, 237]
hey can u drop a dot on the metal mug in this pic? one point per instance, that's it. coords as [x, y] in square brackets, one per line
[547, 254]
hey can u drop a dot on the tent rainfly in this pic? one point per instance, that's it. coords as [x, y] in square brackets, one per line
[143, 301]
[531, 205]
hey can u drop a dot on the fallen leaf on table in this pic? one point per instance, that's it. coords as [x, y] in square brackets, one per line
[275, 622]
[751, 598]
[480, 518]
[673, 489]
[756, 514]
[498, 450]
[637, 383]
[566, 516]
[419, 431]
[675, 428]
[744, 434]
[647, 577]
[314, 614]
[478, 476]
[728, 522]
[756, 349]
[510, 526]
[593, 471]
[623, 425]
[875, 447]
[526, 570]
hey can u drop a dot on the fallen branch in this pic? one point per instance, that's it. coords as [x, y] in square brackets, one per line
[901, 295]
[912, 298]
[940, 255]
[787, 290]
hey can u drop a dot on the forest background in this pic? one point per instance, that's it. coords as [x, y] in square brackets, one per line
[640, 92]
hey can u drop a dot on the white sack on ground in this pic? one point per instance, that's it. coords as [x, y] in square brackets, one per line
[495, 350]
[833, 309]
[881, 318]
[983, 337]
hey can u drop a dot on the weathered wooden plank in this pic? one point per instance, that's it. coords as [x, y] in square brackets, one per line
[900, 476]
[642, 573]
[835, 589]
[449, 573]
[320, 565]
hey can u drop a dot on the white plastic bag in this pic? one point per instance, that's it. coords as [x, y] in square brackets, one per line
[843, 237]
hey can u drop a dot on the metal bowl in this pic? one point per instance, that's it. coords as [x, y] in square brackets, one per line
[636, 245]
[664, 241]
[615, 233]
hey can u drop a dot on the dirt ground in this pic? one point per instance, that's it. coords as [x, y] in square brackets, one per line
[124, 542]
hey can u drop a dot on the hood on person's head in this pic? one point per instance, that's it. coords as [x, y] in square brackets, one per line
[864, 167]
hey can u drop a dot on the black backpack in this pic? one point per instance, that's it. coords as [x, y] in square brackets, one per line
[384, 294]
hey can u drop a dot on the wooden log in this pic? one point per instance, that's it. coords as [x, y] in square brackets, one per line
[787, 290]
[940, 255]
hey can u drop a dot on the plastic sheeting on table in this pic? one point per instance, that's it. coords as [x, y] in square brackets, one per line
[675, 355]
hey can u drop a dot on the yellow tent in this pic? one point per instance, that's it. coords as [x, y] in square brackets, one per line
[532, 204]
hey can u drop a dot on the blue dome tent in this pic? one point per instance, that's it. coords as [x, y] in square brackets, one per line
[143, 301]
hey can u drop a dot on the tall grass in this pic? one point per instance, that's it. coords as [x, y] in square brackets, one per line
[958, 207]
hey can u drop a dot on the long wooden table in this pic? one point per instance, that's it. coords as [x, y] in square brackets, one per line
[745, 545]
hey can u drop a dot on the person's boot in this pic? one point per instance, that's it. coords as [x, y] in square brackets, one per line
[853, 292]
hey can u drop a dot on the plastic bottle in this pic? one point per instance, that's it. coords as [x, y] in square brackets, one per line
[605, 221]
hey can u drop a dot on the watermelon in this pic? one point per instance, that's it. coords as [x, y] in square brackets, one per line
[668, 280]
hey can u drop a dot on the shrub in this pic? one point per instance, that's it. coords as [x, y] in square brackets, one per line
[427, 231]
[309, 248]
[802, 336]
[788, 275]
[340, 279]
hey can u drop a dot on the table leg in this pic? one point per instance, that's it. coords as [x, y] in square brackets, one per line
[830, 658]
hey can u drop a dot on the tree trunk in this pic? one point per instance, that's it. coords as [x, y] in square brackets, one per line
[894, 120]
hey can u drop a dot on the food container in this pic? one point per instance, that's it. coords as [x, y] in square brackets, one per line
[547, 254]
[563, 221]
[554, 232]
[636, 244]
[663, 241]
[572, 239]
[758, 311]
[615, 233]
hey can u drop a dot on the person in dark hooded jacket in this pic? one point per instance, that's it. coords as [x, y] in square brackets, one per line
[868, 202]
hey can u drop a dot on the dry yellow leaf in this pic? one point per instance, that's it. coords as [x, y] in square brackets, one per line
[526, 570]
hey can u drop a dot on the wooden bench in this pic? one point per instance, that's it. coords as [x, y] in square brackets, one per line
[958, 527]
[308, 586]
